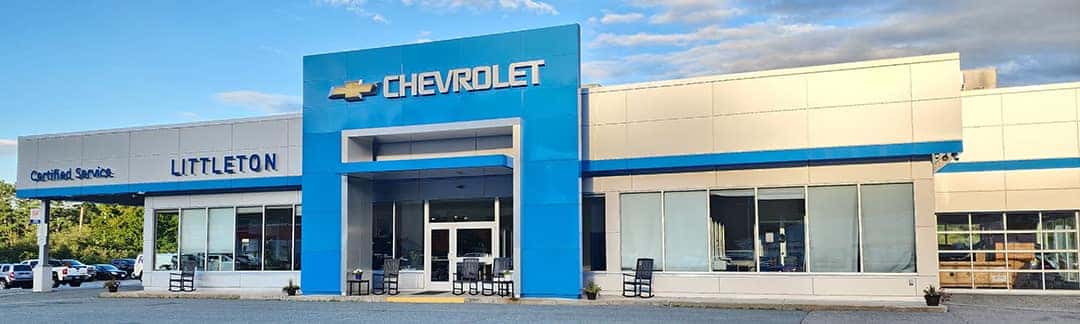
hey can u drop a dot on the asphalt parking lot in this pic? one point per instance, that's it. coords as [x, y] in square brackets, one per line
[77, 305]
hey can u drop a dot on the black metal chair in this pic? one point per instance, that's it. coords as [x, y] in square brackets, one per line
[184, 280]
[639, 282]
[468, 274]
[498, 281]
[389, 283]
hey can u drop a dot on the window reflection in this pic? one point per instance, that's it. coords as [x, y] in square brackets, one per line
[732, 215]
[782, 229]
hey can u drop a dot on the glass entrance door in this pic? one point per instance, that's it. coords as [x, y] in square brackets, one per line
[454, 242]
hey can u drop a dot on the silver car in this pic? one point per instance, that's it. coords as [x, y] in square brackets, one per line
[16, 275]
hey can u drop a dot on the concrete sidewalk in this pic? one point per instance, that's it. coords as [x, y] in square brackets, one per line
[752, 302]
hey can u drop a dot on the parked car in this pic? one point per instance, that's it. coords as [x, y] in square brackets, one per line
[128, 265]
[137, 269]
[63, 273]
[91, 271]
[16, 275]
[108, 271]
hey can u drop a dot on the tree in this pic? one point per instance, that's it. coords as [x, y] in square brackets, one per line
[108, 232]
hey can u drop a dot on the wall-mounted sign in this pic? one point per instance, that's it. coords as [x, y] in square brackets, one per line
[70, 174]
[228, 164]
[484, 77]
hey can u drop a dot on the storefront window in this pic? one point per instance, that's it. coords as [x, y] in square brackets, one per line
[594, 254]
[781, 217]
[409, 234]
[166, 228]
[193, 237]
[888, 222]
[506, 227]
[382, 234]
[249, 221]
[641, 230]
[834, 228]
[686, 234]
[278, 250]
[732, 215]
[221, 226]
[296, 239]
[462, 210]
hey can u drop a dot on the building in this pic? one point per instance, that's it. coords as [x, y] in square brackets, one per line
[834, 180]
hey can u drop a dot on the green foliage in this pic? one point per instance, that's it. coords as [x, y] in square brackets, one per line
[107, 231]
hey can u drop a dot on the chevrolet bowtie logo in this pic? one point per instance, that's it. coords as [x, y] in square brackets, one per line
[352, 90]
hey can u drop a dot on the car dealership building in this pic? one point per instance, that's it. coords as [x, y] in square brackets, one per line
[872, 178]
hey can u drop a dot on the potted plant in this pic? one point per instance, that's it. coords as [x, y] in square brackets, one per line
[112, 285]
[934, 296]
[291, 288]
[591, 290]
[358, 274]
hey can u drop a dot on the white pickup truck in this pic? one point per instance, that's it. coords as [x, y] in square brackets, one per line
[63, 273]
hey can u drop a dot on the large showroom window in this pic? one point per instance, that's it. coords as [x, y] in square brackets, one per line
[409, 234]
[823, 229]
[193, 237]
[382, 234]
[228, 238]
[640, 229]
[686, 231]
[166, 229]
[1009, 250]
[594, 254]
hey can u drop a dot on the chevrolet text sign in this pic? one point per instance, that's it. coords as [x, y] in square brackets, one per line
[484, 77]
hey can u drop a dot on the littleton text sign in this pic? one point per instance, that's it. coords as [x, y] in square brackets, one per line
[228, 164]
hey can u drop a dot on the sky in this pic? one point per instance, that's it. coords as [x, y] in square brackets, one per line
[89, 65]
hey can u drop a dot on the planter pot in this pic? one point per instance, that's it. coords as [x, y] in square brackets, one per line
[359, 276]
[933, 300]
[113, 289]
[590, 296]
[291, 292]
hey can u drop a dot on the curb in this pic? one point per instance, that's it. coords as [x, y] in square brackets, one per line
[779, 305]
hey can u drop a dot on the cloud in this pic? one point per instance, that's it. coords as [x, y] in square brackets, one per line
[358, 7]
[423, 36]
[269, 103]
[687, 11]
[8, 146]
[536, 6]
[616, 18]
[1037, 44]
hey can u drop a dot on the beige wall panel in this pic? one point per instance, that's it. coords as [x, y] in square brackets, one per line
[759, 94]
[681, 284]
[859, 86]
[62, 148]
[859, 173]
[922, 170]
[936, 80]
[981, 110]
[612, 213]
[969, 201]
[1039, 106]
[614, 251]
[982, 144]
[611, 183]
[607, 141]
[684, 101]
[926, 259]
[862, 286]
[670, 137]
[1042, 179]
[772, 177]
[1043, 199]
[204, 139]
[1039, 141]
[936, 120]
[861, 125]
[767, 285]
[673, 181]
[924, 204]
[760, 131]
[607, 107]
[970, 181]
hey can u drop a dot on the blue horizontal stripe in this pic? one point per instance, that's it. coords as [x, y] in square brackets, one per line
[1009, 165]
[756, 159]
[159, 188]
[479, 161]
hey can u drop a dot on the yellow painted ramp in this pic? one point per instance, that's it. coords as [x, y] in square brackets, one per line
[426, 299]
